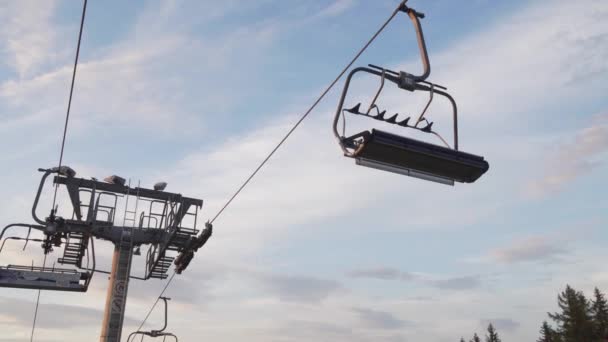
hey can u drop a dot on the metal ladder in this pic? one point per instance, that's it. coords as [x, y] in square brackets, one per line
[180, 236]
[159, 269]
[75, 248]
[131, 215]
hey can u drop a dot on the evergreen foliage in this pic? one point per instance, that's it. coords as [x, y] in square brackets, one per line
[599, 313]
[577, 320]
[574, 322]
[548, 334]
[492, 335]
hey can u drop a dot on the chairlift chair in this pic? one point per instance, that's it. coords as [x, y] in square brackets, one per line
[41, 278]
[400, 154]
[155, 333]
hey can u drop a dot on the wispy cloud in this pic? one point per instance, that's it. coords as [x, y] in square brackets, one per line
[27, 35]
[299, 288]
[337, 7]
[21, 314]
[529, 249]
[375, 319]
[128, 82]
[481, 72]
[458, 283]
[295, 330]
[392, 274]
[573, 159]
[382, 273]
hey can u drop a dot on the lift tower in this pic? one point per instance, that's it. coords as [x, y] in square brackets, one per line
[163, 221]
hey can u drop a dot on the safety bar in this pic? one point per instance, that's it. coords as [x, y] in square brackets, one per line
[401, 80]
[17, 238]
[22, 225]
[42, 269]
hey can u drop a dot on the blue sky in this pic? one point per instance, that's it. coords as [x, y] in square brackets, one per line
[197, 92]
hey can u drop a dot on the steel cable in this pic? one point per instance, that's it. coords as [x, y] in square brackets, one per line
[157, 300]
[312, 107]
[67, 115]
[65, 130]
[37, 305]
[296, 125]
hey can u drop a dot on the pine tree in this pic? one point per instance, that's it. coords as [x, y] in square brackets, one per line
[574, 322]
[547, 334]
[584, 319]
[492, 335]
[599, 312]
[475, 338]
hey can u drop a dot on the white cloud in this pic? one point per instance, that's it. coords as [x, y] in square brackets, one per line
[336, 8]
[299, 289]
[27, 35]
[573, 158]
[382, 273]
[529, 249]
[524, 63]
[380, 319]
[131, 83]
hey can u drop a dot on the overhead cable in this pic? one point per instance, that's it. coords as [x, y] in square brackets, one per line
[295, 126]
[311, 108]
[65, 131]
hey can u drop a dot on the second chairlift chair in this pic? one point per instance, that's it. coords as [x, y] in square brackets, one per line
[154, 333]
[400, 154]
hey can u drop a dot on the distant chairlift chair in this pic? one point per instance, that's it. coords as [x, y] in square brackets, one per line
[51, 278]
[43, 278]
[154, 333]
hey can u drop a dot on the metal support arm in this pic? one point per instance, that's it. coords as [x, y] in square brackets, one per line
[415, 18]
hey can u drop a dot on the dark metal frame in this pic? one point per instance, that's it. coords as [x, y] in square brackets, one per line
[164, 232]
[155, 333]
[167, 235]
[46, 243]
[351, 146]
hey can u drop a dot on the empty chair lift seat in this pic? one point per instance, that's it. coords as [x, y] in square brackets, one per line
[391, 152]
[44, 279]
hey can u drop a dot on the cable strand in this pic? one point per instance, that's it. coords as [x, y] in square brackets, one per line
[37, 305]
[296, 125]
[157, 300]
[65, 130]
[310, 109]
[67, 115]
